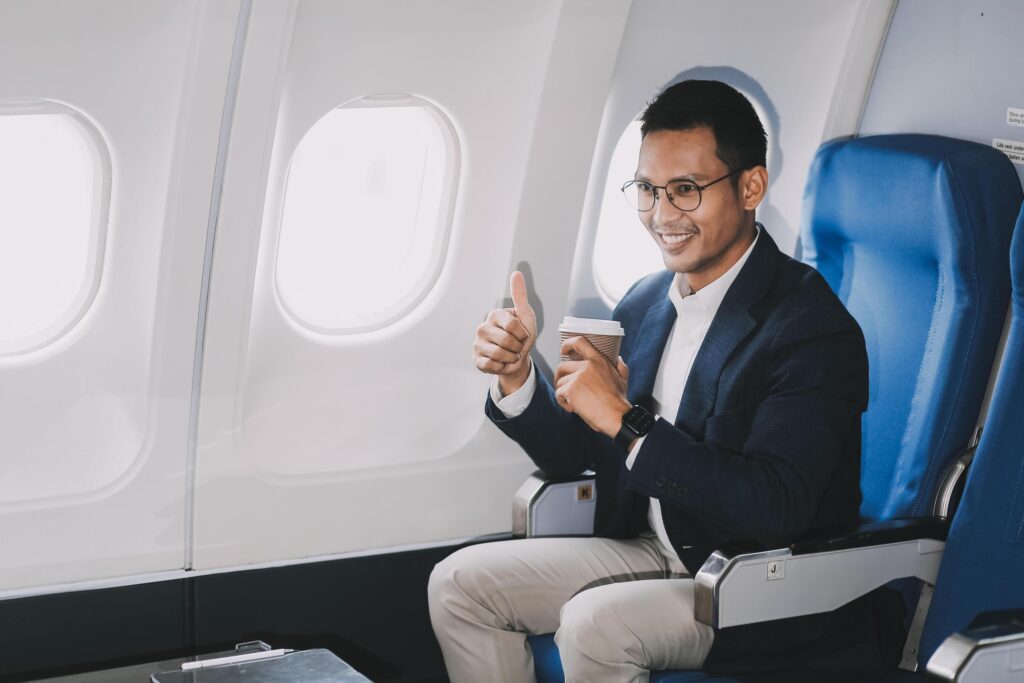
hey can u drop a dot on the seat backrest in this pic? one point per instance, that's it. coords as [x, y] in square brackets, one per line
[983, 562]
[912, 232]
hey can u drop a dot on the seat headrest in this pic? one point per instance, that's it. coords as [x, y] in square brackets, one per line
[923, 196]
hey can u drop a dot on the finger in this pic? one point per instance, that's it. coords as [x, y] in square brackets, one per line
[622, 369]
[516, 326]
[491, 367]
[566, 370]
[562, 398]
[583, 347]
[520, 300]
[495, 352]
[506, 319]
[496, 335]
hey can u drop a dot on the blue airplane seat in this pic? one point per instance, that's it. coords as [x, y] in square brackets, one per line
[911, 232]
[980, 568]
[983, 567]
[548, 667]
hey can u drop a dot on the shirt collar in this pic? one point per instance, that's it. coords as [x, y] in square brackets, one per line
[711, 295]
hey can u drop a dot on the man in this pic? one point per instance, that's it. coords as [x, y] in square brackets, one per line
[740, 421]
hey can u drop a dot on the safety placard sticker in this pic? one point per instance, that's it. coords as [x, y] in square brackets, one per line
[1011, 148]
[1015, 116]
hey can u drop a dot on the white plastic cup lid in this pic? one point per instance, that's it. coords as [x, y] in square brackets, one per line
[591, 326]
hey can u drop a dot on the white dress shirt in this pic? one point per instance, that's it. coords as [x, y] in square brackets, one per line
[694, 313]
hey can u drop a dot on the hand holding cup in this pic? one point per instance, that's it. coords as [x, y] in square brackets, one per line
[592, 380]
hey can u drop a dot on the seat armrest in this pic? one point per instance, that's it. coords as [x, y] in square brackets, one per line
[554, 506]
[872, 533]
[990, 650]
[738, 586]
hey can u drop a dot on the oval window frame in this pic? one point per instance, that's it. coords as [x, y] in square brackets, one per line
[99, 224]
[419, 290]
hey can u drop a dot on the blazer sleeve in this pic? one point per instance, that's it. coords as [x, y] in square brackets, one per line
[764, 475]
[559, 443]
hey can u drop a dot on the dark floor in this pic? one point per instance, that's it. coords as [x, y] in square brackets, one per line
[370, 611]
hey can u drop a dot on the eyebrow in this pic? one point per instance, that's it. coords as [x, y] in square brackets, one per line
[693, 177]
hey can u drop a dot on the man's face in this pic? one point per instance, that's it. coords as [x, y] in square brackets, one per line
[705, 242]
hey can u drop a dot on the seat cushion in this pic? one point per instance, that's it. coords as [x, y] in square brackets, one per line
[546, 663]
[548, 668]
[787, 677]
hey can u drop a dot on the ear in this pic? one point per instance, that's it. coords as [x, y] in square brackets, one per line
[753, 185]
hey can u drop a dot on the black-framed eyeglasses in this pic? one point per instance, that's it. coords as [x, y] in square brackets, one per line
[683, 194]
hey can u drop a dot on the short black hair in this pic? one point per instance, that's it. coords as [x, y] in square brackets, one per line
[740, 140]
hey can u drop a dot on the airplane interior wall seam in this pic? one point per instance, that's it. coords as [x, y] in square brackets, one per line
[230, 97]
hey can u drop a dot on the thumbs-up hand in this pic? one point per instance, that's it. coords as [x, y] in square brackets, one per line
[504, 339]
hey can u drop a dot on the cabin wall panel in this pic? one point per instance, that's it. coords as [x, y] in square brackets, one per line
[315, 444]
[94, 440]
[950, 68]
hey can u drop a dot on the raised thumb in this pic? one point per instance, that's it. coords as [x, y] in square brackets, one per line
[520, 301]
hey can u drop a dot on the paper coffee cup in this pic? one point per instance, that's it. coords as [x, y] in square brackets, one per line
[605, 335]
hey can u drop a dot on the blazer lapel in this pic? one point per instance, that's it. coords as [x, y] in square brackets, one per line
[732, 324]
[651, 339]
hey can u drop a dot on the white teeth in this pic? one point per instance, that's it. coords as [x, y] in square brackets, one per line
[676, 239]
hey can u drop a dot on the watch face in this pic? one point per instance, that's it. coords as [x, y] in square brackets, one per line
[639, 420]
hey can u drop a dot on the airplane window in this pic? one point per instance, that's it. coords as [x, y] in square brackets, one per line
[623, 251]
[366, 215]
[53, 177]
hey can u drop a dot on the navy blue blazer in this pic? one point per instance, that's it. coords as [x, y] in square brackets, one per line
[765, 444]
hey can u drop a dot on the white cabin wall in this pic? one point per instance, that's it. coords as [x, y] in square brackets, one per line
[293, 424]
[953, 68]
[93, 448]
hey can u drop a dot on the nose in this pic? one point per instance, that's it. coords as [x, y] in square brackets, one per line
[663, 210]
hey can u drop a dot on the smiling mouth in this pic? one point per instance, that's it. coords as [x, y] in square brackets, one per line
[670, 241]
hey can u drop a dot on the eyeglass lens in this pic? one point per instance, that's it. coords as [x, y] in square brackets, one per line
[683, 194]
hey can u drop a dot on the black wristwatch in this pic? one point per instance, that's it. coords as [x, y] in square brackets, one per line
[635, 423]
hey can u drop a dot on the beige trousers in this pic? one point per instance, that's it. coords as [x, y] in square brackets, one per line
[618, 609]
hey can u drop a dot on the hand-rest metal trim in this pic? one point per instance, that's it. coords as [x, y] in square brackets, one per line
[735, 588]
[947, 498]
[992, 653]
[538, 491]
